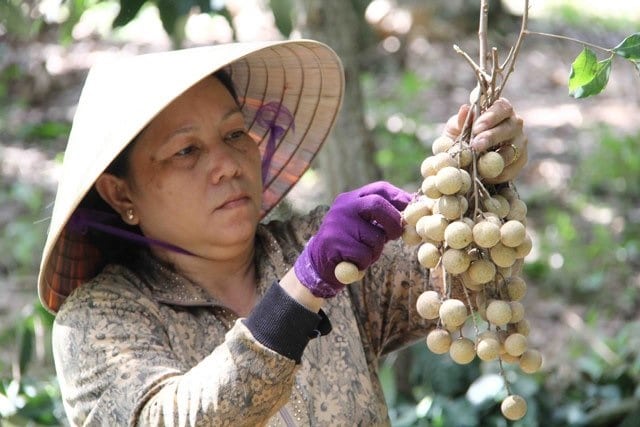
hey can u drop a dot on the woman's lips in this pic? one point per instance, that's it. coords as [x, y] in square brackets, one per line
[234, 202]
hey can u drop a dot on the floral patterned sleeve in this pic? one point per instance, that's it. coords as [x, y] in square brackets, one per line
[117, 365]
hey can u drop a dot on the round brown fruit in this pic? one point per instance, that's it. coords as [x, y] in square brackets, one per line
[482, 271]
[498, 312]
[453, 312]
[428, 305]
[462, 351]
[488, 349]
[458, 235]
[439, 341]
[448, 180]
[490, 164]
[428, 255]
[530, 361]
[512, 233]
[455, 261]
[514, 407]
[486, 234]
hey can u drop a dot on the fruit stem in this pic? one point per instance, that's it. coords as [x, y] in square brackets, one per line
[571, 39]
[482, 33]
[509, 63]
[473, 317]
[504, 377]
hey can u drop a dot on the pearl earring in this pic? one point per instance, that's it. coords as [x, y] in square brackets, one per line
[130, 215]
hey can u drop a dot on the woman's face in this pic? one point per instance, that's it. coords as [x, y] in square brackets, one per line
[195, 174]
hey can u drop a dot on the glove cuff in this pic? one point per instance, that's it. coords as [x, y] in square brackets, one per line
[309, 277]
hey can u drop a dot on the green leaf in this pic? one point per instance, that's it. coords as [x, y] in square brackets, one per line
[128, 10]
[629, 48]
[282, 12]
[588, 75]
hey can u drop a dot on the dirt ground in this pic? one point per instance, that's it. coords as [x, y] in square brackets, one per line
[558, 127]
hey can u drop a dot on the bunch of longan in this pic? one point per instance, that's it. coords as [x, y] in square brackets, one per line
[475, 232]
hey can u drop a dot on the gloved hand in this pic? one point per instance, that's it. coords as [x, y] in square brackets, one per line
[355, 229]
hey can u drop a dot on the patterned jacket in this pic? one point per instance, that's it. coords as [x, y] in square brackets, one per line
[159, 350]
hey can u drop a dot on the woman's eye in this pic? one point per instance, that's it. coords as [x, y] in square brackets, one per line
[236, 134]
[186, 151]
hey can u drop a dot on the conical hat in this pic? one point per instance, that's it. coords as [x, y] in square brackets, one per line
[120, 98]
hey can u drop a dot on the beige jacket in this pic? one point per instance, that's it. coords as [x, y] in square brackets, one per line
[162, 352]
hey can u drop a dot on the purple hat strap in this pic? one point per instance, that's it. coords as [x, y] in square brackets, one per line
[83, 219]
[277, 118]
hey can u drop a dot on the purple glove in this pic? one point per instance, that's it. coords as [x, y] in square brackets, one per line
[355, 229]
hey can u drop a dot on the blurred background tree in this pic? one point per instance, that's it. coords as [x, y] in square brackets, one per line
[403, 82]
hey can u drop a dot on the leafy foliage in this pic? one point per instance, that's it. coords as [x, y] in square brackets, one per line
[590, 77]
[29, 399]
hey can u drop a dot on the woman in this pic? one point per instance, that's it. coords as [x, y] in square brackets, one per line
[175, 305]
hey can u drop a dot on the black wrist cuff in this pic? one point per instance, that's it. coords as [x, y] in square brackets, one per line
[284, 325]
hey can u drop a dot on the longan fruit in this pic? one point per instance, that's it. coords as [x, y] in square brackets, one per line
[507, 358]
[502, 255]
[458, 235]
[464, 204]
[469, 283]
[493, 218]
[516, 288]
[466, 182]
[486, 234]
[439, 341]
[448, 180]
[441, 144]
[488, 348]
[462, 154]
[442, 160]
[491, 204]
[490, 164]
[455, 261]
[517, 311]
[512, 233]
[428, 167]
[498, 312]
[450, 207]
[503, 206]
[462, 351]
[453, 312]
[428, 305]
[530, 361]
[428, 255]
[524, 248]
[482, 271]
[515, 344]
[518, 210]
[489, 334]
[410, 235]
[508, 193]
[432, 227]
[347, 272]
[523, 327]
[416, 210]
[513, 407]
[429, 187]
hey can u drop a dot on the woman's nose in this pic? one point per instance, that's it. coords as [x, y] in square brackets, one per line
[222, 163]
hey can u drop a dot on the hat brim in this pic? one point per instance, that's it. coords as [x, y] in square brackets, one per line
[120, 98]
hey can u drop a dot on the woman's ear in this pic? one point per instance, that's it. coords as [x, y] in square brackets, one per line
[115, 191]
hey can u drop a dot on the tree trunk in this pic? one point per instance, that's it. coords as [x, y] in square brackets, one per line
[347, 159]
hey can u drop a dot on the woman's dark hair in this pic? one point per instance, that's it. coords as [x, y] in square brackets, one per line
[116, 249]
